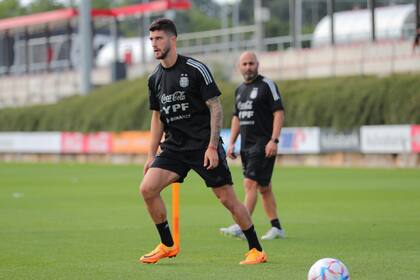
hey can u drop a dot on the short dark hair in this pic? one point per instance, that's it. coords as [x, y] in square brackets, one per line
[164, 24]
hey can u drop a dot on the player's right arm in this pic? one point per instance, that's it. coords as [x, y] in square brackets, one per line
[156, 125]
[156, 132]
[234, 132]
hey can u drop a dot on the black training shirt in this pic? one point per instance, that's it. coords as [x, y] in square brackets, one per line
[180, 93]
[255, 104]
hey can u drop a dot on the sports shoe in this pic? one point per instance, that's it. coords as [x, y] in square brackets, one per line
[274, 233]
[160, 252]
[254, 257]
[233, 231]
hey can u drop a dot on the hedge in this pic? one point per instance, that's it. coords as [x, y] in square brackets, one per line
[333, 102]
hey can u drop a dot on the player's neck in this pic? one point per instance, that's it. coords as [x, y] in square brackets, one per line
[170, 59]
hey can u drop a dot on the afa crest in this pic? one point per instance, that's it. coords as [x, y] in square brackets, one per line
[254, 93]
[184, 81]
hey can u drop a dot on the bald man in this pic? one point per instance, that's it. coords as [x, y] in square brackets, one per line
[258, 118]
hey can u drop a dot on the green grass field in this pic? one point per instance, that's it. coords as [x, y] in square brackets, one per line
[74, 221]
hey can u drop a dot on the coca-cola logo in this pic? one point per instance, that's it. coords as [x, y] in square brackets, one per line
[247, 105]
[174, 97]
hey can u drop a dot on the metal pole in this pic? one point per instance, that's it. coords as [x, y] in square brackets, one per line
[259, 35]
[69, 33]
[292, 30]
[17, 53]
[26, 49]
[142, 42]
[372, 6]
[114, 35]
[85, 44]
[144, 28]
[146, 19]
[298, 23]
[48, 49]
[235, 20]
[295, 15]
[115, 65]
[7, 53]
[224, 25]
[331, 11]
[314, 12]
[92, 38]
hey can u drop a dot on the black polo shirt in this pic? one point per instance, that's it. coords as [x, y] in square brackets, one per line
[255, 104]
[180, 93]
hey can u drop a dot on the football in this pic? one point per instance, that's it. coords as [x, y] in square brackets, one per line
[328, 269]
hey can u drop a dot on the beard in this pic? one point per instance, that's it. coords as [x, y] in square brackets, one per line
[163, 53]
[250, 76]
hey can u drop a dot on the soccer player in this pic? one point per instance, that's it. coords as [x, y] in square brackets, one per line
[184, 100]
[258, 118]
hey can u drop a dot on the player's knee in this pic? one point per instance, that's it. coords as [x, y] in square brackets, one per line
[143, 190]
[264, 190]
[250, 184]
[220, 197]
[146, 190]
[250, 188]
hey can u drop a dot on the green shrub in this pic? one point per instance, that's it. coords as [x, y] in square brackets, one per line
[331, 102]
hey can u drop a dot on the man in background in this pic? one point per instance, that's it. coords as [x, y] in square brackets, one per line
[258, 118]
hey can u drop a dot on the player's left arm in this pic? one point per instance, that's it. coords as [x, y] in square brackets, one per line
[211, 157]
[271, 147]
[276, 105]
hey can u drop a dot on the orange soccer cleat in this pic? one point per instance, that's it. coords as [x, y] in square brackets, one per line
[254, 257]
[160, 252]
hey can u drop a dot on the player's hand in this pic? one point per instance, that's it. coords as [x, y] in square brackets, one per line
[147, 164]
[211, 158]
[270, 149]
[231, 152]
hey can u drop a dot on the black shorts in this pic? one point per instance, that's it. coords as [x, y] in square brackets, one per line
[182, 162]
[256, 166]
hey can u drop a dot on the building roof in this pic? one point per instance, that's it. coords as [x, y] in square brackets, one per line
[355, 26]
[37, 19]
[63, 15]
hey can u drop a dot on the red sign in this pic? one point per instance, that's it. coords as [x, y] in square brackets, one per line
[92, 143]
[415, 138]
[72, 143]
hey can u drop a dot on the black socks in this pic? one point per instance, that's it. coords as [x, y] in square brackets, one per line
[275, 223]
[165, 234]
[252, 238]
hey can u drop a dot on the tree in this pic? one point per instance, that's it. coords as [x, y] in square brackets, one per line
[10, 8]
[39, 6]
[195, 20]
[101, 4]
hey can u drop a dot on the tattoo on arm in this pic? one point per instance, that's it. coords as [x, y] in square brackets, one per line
[216, 119]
